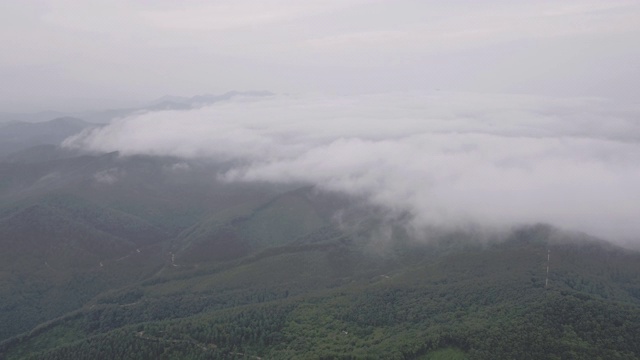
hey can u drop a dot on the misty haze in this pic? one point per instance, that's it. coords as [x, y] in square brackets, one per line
[320, 180]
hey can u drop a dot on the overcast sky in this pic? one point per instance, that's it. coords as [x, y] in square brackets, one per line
[69, 54]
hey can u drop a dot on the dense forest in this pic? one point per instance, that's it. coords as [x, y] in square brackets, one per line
[165, 264]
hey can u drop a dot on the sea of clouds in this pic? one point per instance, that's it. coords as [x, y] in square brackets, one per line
[446, 159]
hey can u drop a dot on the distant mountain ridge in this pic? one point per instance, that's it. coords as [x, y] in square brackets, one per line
[16, 136]
[22, 132]
[167, 102]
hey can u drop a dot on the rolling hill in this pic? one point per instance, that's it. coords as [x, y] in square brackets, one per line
[147, 257]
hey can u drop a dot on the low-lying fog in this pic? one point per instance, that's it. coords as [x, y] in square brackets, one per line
[447, 159]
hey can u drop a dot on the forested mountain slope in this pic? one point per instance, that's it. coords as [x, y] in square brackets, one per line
[147, 257]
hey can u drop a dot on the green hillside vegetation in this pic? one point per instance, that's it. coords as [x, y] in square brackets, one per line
[16, 135]
[163, 261]
[482, 302]
[66, 236]
[54, 261]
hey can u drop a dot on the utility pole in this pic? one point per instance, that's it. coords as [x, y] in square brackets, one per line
[546, 281]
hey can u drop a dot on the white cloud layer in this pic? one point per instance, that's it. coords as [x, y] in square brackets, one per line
[445, 158]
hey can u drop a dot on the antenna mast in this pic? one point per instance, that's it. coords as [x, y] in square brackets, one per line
[546, 281]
